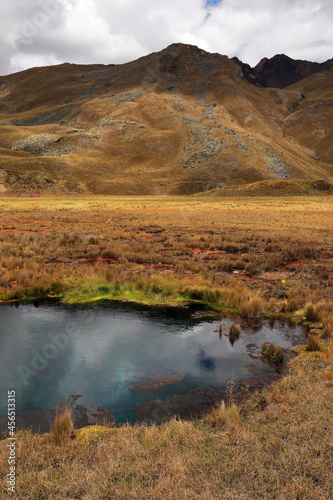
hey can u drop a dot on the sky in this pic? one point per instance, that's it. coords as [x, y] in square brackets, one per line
[44, 32]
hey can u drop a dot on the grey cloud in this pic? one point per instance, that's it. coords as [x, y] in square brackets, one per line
[40, 32]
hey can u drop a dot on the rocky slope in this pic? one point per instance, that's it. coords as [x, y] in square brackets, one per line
[280, 71]
[179, 121]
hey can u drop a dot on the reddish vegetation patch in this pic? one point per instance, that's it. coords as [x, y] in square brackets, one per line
[34, 193]
[293, 263]
[143, 233]
[241, 274]
[40, 221]
[156, 384]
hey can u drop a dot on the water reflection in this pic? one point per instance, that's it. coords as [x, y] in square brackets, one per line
[102, 352]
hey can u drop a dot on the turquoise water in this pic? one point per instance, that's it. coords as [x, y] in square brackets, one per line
[50, 351]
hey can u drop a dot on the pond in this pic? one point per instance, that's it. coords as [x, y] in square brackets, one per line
[120, 355]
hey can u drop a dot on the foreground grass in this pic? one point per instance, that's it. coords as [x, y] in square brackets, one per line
[277, 446]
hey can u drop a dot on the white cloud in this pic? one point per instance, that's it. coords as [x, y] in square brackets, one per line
[42, 32]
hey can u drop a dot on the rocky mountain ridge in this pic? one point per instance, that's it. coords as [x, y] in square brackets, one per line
[281, 71]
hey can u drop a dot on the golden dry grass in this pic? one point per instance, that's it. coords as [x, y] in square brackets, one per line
[62, 427]
[101, 245]
[313, 343]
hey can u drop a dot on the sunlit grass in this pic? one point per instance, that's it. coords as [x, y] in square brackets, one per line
[171, 249]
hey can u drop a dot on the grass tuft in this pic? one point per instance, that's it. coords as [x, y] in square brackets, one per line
[251, 308]
[234, 332]
[62, 428]
[313, 343]
[272, 353]
[311, 313]
[228, 416]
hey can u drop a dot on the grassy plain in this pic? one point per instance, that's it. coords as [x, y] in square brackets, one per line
[252, 256]
[255, 257]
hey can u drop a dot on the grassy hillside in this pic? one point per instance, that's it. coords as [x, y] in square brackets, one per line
[294, 187]
[179, 121]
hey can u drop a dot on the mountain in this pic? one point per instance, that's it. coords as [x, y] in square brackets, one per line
[280, 71]
[179, 121]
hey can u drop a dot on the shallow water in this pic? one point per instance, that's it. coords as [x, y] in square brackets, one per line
[50, 351]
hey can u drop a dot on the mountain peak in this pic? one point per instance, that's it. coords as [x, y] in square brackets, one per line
[281, 71]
